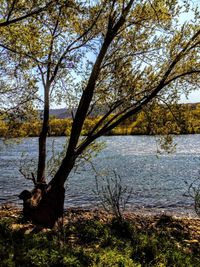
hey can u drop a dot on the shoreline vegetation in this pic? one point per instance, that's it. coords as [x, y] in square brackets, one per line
[96, 238]
[181, 119]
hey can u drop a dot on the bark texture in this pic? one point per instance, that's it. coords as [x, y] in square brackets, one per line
[43, 207]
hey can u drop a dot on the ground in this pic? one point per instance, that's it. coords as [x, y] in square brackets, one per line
[95, 238]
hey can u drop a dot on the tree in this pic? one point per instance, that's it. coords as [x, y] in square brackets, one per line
[17, 91]
[126, 54]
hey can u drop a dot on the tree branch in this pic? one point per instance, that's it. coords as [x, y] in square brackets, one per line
[181, 75]
[11, 10]
[30, 14]
[20, 53]
[117, 104]
[69, 48]
[145, 100]
[51, 47]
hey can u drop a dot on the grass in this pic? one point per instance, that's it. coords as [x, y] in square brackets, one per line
[90, 240]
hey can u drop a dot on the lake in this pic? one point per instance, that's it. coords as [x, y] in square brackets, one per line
[157, 180]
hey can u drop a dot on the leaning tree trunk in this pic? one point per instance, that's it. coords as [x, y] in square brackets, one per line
[44, 205]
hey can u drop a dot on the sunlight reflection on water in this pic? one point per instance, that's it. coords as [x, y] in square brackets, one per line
[158, 181]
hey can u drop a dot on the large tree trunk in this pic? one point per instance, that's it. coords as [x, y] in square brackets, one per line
[43, 207]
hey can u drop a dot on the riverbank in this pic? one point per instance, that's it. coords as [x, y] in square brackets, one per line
[95, 238]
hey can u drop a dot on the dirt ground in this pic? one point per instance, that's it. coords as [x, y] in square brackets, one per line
[145, 221]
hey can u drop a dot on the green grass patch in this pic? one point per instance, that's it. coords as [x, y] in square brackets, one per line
[94, 243]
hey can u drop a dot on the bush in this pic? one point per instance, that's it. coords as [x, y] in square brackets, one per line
[113, 258]
[92, 231]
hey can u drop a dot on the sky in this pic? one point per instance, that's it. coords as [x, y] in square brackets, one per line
[194, 96]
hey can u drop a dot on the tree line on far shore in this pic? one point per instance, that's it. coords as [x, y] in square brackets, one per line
[179, 119]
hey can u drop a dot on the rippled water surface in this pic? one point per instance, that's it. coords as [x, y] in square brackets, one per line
[158, 181]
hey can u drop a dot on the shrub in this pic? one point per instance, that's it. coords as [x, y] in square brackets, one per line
[113, 195]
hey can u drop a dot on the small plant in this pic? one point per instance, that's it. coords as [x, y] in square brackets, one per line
[113, 196]
[194, 192]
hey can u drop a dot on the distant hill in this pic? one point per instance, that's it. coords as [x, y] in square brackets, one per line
[59, 113]
[63, 113]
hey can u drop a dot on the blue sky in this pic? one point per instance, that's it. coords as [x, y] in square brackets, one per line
[195, 95]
